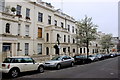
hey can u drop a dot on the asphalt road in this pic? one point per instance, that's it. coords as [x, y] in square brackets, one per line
[105, 69]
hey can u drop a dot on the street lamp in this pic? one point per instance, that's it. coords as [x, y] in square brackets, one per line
[57, 47]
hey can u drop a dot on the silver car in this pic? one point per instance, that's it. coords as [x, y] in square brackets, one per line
[93, 57]
[60, 61]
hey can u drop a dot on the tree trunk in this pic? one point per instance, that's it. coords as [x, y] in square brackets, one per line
[108, 50]
[87, 48]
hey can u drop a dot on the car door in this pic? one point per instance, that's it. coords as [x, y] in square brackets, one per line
[66, 61]
[35, 65]
[69, 60]
[17, 62]
[29, 64]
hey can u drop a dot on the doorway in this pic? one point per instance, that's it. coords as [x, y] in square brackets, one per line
[6, 47]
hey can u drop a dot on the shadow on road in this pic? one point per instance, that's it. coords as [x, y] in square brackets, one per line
[6, 76]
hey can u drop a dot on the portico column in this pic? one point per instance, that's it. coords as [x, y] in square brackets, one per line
[14, 49]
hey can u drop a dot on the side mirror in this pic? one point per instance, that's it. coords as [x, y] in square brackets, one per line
[62, 59]
[33, 62]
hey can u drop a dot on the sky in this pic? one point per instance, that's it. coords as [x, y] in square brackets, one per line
[104, 13]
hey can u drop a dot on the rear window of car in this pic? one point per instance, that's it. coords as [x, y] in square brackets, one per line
[18, 60]
[28, 60]
[7, 60]
[79, 56]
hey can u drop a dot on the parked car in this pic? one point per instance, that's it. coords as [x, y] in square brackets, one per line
[112, 55]
[60, 61]
[118, 54]
[81, 59]
[17, 64]
[100, 56]
[106, 56]
[93, 57]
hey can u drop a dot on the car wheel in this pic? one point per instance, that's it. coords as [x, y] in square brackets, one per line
[72, 64]
[14, 73]
[83, 62]
[40, 69]
[58, 66]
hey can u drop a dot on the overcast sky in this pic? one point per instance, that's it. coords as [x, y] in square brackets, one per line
[103, 12]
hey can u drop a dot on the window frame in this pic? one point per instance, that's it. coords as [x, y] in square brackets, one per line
[73, 29]
[18, 46]
[49, 19]
[27, 12]
[39, 32]
[68, 38]
[55, 22]
[68, 27]
[62, 24]
[47, 37]
[39, 48]
[26, 48]
[27, 28]
[40, 17]
[7, 28]
[73, 50]
[19, 30]
[18, 10]
[64, 38]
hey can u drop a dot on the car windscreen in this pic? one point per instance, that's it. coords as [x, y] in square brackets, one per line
[56, 58]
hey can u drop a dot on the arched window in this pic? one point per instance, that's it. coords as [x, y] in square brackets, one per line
[47, 51]
[7, 29]
[73, 41]
[58, 39]
[81, 50]
[84, 50]
[73, 50]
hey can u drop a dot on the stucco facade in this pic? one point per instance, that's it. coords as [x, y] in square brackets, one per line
[19, 35]
[35, 28]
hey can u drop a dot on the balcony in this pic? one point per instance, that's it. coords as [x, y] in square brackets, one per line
[8, 16]
[8, 35]
[56, 28]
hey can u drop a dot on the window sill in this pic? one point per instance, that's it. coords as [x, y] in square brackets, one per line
[19, 50]
[27, 37]
[8, 34]
[40, 23]
[40, 38]
[28, 20]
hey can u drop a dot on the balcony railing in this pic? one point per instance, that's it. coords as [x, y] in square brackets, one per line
[52, 27]
[8, 16]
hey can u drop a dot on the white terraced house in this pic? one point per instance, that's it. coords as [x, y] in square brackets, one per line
[29, 27]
